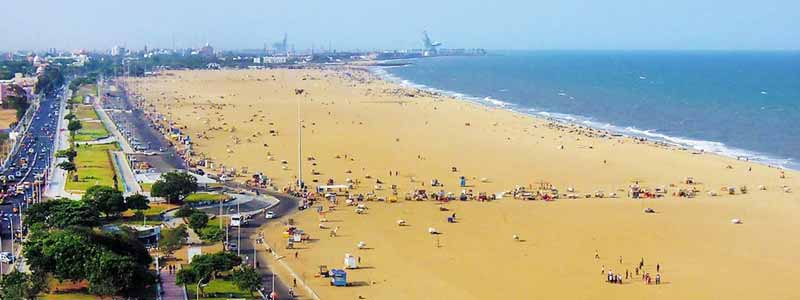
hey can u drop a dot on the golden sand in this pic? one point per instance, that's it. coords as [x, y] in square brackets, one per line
[383, 128]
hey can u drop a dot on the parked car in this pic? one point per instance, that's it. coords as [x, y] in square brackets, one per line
[6, 257]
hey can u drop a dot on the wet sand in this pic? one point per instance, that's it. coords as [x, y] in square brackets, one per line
[381, 128]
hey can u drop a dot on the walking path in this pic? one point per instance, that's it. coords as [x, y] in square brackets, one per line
[171, 290]
[57, 181]
[128, 179]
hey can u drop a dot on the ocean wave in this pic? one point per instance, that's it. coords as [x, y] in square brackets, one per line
[650, 134]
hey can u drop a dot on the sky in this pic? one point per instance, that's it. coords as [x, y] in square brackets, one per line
[375, 24]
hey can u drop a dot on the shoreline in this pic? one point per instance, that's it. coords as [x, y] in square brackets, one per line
[358, 128]
[651, 135]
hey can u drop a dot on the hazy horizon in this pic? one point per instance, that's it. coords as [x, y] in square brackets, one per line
[350, 25]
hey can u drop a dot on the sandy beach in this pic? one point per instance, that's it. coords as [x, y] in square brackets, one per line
[358, 127]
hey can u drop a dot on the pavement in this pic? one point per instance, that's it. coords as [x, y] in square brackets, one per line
[169, 288]
[57, 181]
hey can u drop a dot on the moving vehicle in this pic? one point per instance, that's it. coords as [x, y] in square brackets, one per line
[6, 257]
[238, 220]
[270, 214]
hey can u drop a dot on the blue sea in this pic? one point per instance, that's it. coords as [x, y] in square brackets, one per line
[739, 104]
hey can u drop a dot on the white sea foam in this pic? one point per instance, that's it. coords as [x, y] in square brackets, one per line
[688, 143]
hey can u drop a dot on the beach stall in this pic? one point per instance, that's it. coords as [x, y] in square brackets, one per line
[350, 261]
[338, 277]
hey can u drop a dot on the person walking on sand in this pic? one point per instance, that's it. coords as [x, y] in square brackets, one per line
[603, 269]
[658, 267]
[641, 263]
[596, 255]
[626, 273]
[620, 259]
[294, 282]
[296, 254]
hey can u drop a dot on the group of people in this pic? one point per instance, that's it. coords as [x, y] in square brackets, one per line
[612, 277]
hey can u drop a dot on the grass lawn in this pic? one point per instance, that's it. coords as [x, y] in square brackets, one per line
[91, 131]
[85, 112]
[219, 289]
[146, 187]
[153, 212]
[204, 197]
[94, 167]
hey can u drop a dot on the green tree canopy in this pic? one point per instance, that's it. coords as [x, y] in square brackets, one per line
[198, 220]
[174, 186]
[247, 278]
[112, 263]
[137, 202]
[207, 266]
[62, 214]
[105, 199]
[74, 125]
[172, 239]
[185, 211]
[70, 154]
[19, 285]
[68, 166]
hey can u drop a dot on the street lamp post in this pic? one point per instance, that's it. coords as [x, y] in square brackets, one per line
[198, 288]
[239, 231]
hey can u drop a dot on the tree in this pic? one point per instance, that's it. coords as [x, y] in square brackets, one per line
[113, 264]
[211, 234]
[19, 285]
[105, 199]
[184, 211]
[68, 166]
[112, 274]
[73, 126]
[208, 266]
[70, 154]
[198, 220]
[62, 214]
[172, 239]
[174, 186]
[69, 116]
[137, 202]
[247, 278]
[62, 253]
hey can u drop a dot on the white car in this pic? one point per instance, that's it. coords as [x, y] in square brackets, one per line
[6, 257]
[270, 214]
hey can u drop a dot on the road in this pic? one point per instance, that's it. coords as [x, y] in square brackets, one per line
[30, 162]
[249, 234]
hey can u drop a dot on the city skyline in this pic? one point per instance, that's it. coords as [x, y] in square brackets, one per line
[350, 25]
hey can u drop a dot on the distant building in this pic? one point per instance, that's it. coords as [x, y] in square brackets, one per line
[118, 51]
[274, 60]
[206, 51]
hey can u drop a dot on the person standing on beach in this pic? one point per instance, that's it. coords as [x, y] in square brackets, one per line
[596, 255]
[658, 267]
[620, 259]
[603, 269]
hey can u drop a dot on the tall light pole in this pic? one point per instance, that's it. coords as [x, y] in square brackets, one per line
[239, 231]
[299, 149]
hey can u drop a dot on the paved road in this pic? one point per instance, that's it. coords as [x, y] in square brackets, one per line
[31, 161]
[249, 235]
